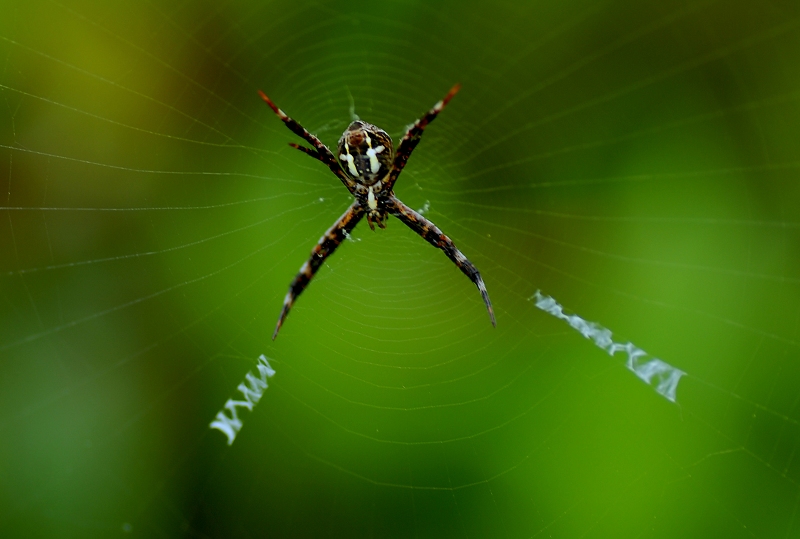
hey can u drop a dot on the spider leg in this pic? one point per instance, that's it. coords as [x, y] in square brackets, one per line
[323, 249]
[322, 152]
[412, 136]
[308, 151]
[436, 237]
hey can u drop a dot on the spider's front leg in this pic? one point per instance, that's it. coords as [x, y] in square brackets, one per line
[412, 136]
[325, 247]
[437, 238]
[320, 151]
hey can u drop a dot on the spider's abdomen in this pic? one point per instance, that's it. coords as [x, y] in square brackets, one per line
[365, 152]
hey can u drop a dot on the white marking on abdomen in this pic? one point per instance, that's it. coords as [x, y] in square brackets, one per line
[349, 158]
[374, 165]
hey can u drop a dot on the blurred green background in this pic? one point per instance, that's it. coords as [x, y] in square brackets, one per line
[638, 161]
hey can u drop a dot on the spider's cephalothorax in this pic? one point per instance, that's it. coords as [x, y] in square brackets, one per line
[365, 155]
[368, 168]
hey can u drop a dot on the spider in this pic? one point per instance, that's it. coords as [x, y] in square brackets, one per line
[368, 167]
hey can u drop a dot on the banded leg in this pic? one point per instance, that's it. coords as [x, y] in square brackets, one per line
[307, 151]
[320, 151]
[325, 247]
[412, 136]
[436, 237]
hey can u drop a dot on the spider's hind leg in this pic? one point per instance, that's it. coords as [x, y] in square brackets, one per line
[438, 239]
[322, 250]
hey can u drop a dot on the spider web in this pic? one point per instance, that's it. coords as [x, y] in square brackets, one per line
[636, 163]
